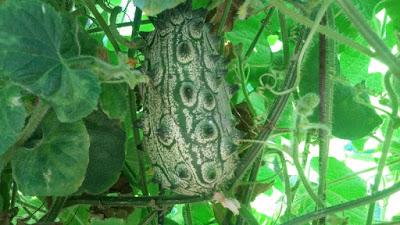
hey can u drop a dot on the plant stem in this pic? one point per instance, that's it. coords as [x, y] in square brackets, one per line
[117, 25]
[103, 23]
[55, 209]
[321, 29]
[224, 17]
[299, 168]
[243, 83]
[386, 143]
[327, 73]
[285, 39]
[253, 43]
[187, 214]
[277, 109]
[382, 51]
[149, 218]
[344, 206]
[248, 190]
[139, 202]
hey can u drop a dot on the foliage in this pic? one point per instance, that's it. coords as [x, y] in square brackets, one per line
[71, 98]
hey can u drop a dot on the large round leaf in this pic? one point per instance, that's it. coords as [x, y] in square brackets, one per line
[12, 116]
[56, 165]
[107, 153]
[31, 36]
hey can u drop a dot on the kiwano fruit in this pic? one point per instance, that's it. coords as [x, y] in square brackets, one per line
[189, 130]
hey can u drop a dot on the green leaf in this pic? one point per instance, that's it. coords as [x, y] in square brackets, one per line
[12, 115]
[154, 7]
[56, 164]
[106, 153]
[31, 36]
[244, 32]
[114, 100]
[351, 119]
[201, 213]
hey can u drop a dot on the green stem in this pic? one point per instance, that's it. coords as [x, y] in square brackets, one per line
[243, 82]
[277, 109]
[224, 17]
[386, 143]
[344, 206]
[253, 43]
[55, 209]
[299, 168]
[103, 23]
[117, 25]
[139, 202]
[149, 218]
[248, 191]
[133, 109]
[285, 39]
[114, 31]
[187, 214]
[382, 51]
[321, 29]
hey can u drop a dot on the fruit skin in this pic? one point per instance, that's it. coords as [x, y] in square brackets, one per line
[189, 129]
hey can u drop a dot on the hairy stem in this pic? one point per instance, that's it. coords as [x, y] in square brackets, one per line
[327, 72]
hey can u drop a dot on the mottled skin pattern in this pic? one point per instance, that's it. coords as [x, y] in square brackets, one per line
[189, 129]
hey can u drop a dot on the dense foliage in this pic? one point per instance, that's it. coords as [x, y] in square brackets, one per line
[315, 91]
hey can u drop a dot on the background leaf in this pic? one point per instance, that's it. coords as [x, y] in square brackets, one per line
[56, 164]
[106, 153]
